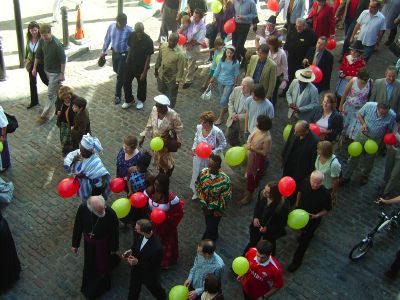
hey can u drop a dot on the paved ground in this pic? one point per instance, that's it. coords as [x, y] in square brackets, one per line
[42, 222]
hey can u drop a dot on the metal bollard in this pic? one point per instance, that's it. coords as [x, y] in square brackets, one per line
[64, 20]
[2, 66]
[120, 6]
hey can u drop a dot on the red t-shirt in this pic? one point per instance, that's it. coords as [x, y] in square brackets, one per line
[261, 277]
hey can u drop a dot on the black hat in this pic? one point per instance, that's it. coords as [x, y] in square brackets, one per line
[272, 20]
[357, 46]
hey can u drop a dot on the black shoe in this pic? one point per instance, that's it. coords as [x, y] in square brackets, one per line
[117, 100]
[390, 274]
[293, 267]
[31, 105]
[187, 85]
[343, 181]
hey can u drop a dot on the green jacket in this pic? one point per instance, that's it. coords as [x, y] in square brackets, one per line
[52, 55]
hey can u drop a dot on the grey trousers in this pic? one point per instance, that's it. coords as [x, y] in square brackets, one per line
[367, 163]
[52, 90]
[392, 171]
[168, 89]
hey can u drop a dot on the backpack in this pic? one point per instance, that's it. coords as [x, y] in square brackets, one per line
[12, 123]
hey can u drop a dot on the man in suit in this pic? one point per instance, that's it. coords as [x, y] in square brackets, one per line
[298, 42]
[292, 10]
[387, 90]
[323, 59]
[302, 96]
[145, 258]
[263, 70]
[301, 143]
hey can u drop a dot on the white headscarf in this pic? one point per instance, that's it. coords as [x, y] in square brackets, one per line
[91, 143]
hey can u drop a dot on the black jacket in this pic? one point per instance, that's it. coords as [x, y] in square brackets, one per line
[335, 123]
[305, 162]
[273, 216]
[149, 258]
[326, 65]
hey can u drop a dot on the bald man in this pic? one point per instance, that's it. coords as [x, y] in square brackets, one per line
[315, 199]
[98, 224]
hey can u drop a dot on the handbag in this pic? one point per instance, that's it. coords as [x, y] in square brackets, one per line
[171, 142]
[341, 86]
[12, 123]
[207, 93]
[29, 66]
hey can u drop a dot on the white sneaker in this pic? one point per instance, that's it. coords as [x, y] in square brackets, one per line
[139, 105]
[126, 105]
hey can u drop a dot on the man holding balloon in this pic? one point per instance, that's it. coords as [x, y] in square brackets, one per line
[375, 120]
[316, 200]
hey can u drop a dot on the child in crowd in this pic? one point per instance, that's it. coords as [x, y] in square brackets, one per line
[140, 178]
[185, 25]
[81, 124]
[218, 51]
[212, 288]
[65, 117]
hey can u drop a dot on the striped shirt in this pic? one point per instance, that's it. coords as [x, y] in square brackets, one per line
[213, 190]
[118, 38]
[377, 126]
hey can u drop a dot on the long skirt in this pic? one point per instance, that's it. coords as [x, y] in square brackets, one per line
[5, 157]
[198, 165]
[255, 170]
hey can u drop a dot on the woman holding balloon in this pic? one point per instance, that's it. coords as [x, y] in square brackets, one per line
[258, 147]
[208, 139]
[269, 217]
[127, 156]
[160, 198]
[165, 124]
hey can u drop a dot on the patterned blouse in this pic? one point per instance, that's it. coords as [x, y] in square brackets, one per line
[123, 165]
[216, 139]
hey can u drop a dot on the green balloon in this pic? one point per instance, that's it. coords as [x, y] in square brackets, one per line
[298, 218]
[371, 147]
[235, 156]
[216, 6]
[156, 144]
[178, 292]
[122, 207]
[240, 265]
[286, 131]
[1, 146]
[355, 149]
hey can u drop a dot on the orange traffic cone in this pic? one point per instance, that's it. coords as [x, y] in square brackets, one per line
[79, 34]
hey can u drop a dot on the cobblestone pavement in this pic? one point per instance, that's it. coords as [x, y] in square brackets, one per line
[42, 222]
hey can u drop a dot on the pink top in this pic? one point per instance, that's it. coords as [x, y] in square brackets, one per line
[280, 59]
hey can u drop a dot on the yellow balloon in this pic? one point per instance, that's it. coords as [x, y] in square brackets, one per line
[1, 146]
[156, 144]
[122, 207]
[235, 156]
[286, 131]
[216, 7]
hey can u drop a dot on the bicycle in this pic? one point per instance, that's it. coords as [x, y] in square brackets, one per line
[386, 221]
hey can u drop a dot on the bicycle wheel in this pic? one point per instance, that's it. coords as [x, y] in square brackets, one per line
[360, 250]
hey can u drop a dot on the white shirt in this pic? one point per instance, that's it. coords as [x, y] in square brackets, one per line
[370, 27]
[323, 122]
[3, 118]
[144, 241]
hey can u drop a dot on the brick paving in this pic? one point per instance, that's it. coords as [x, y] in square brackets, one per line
[42, 222]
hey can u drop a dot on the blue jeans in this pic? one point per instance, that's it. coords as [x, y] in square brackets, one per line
[368, 50]
[118, 60]
[349, 25]
[225, 91]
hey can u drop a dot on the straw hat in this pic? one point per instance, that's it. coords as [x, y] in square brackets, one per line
[305, 75]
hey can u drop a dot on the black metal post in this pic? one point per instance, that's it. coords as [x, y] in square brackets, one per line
[120, 6]
[2, 66]
[20, 34]
[64, 20]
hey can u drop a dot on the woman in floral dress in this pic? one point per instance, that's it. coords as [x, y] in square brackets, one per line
[354, 97]
[206, 132]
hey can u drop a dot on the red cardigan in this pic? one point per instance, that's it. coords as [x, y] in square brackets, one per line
[323, 21]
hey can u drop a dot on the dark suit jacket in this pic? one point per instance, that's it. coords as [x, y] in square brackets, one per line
[326, 65]
[335, 123]
[149, 258]
[305, 163]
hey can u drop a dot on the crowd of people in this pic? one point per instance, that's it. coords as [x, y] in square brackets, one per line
[322, 119]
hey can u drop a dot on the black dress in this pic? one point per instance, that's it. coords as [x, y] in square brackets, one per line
[101, 237]
[10, 266]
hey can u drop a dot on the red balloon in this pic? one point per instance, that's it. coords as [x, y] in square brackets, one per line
[287, 186]
[315, 128]
[203, 150]
[138, 200]
[273, 5]
[160, 1]
[182, 39]
[317, 72]
[117, 185]
[68, 187]
[230, 26]
[158, 216]
[389, 139]
[331, 44]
